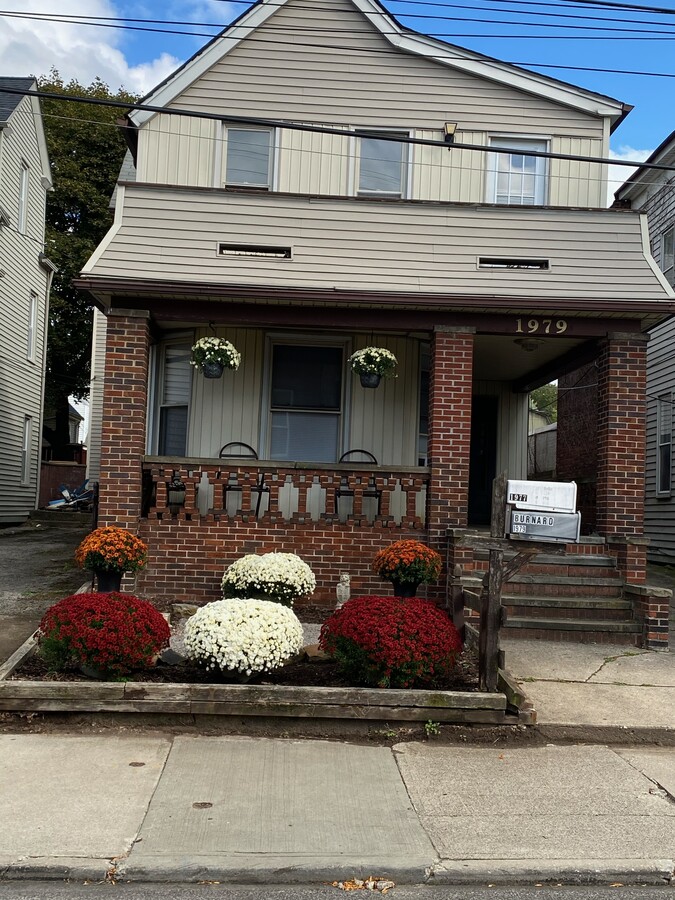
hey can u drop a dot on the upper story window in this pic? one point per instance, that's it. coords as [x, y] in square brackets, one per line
[382, 165]
[23, 197]
[664, 428]
[32, 326]
[668, 254]
[517, 178]
[249, 157]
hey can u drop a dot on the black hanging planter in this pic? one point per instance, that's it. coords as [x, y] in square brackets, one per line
[369, 379]
[212, 369]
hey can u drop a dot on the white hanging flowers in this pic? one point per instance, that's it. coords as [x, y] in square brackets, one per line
[282, 577]
[374, 361]
[243, 636]
[210, 350]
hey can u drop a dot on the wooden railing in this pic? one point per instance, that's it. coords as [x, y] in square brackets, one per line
[284, 491]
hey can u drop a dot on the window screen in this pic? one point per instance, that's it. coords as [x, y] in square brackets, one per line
[248, 157]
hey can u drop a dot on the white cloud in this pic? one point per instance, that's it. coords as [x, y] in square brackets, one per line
[619, 174]
[29, 47]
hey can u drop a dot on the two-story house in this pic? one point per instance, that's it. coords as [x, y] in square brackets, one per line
[319, 179]
[25, 279]
[652, 192]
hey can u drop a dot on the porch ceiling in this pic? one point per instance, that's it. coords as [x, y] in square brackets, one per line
[502, 358]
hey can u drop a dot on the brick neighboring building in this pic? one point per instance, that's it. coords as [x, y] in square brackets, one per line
[486, 269]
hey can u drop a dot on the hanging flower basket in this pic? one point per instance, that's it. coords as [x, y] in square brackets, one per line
[212, 355]
[373, 363]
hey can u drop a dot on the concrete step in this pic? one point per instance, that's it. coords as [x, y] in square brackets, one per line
[581, 608]
[602, 631]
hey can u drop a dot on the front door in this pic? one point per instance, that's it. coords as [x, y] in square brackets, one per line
[483, 458]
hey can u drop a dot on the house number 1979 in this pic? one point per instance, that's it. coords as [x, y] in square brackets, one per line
[541, 326]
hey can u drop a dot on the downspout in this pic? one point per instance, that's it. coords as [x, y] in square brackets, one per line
[50, 270]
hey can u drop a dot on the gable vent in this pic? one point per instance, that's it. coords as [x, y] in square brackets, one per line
[252, 250]
[494, 262]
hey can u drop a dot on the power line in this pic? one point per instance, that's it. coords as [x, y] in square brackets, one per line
[327, 129]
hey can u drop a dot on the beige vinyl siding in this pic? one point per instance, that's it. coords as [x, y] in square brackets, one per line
[659, 511]
[511, 427]
[382, 246]
[96, 396]
[575, 183]
[299, 65]
[312, 163]
[447, 174]
[20, 378]
[178, 150]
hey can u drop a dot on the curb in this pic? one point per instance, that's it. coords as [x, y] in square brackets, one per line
[55, 868]
[560, 871]
[607, 734]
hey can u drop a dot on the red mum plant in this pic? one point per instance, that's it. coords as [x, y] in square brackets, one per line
[408, 562]
[391, 642]
[112, 633]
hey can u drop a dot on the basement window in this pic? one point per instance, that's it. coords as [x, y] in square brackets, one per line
[493, 262]
[252, 250]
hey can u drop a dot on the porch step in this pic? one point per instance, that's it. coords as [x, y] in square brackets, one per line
[602, 631]
[565, 586]
[581, 608]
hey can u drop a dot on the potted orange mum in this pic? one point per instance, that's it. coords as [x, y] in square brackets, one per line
[407, 564]
[110, 552]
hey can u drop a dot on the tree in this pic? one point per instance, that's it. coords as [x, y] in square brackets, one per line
[545, 399]
[86, 149]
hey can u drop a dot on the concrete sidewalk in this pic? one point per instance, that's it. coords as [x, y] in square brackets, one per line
[236, 809]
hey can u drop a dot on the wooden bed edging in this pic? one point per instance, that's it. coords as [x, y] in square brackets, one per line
[405, 706]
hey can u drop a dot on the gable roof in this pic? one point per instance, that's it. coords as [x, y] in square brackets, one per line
[9, 102]
[403, 39]
[664, 154]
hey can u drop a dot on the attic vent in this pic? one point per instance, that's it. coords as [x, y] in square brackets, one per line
[492, 262]
[252, 250]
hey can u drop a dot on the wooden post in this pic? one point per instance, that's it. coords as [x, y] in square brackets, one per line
[490, 620]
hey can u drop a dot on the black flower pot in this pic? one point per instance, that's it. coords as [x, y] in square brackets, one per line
[405, 588]
[108, 581]
[212, 369]
[369, 379]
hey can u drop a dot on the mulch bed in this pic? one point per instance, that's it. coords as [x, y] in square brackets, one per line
[305, 673]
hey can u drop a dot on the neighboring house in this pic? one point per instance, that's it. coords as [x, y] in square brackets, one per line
[487, 273]
[74, 439]
[25, 279]
[652, 192]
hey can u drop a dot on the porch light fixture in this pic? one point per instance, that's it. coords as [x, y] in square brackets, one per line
[528, 345]
[449, 128]
[175, 494]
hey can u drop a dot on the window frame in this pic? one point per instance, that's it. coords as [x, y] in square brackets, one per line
[541, 175]
[664, 409]
[26, 442]
[22, 212]
[271, 162]
[308, 340]
[31, 341]
[182, 341]
[668, 236]
[406, 163]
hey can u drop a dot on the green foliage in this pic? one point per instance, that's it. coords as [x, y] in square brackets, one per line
[431, 728]
[86, 150]
[545, 399]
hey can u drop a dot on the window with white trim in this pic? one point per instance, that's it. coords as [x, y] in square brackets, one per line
[668, 254]
[248, 157]
[23, 197]
[25, 449]
[32, 326]
[382, 165]
[306, 402]
[517, 179]
[664, 431]
[174, 387]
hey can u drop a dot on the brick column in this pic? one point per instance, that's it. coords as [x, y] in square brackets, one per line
[124, 416]
[450, 389]
[622, 384]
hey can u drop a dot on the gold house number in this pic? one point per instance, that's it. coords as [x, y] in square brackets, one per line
[541, 326]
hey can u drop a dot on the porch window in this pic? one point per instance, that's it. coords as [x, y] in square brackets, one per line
[249, 157]
[174, 399]
[516, 178]
[382, 165]
[664, 427]
[306, 402]
[668, 254]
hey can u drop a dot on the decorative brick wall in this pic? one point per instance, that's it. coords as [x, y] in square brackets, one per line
[123, 434]
[450, 393]
[651, 607]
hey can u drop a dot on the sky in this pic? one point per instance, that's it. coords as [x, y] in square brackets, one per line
[562, 32]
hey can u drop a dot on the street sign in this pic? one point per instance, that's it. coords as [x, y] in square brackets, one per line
[553, 496]
[544, 525]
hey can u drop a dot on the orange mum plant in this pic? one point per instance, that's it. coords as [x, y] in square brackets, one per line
[112, 550]
[409, 562]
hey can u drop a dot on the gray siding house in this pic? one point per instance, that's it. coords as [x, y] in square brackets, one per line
[652, 192]
[25, 279]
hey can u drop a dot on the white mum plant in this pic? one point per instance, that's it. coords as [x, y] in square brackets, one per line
[374, 361]
[215, 350]
[244, 636]
[281, 577]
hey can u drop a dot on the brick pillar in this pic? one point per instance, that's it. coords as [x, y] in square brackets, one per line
[622, 384]
[124, 414]
[450, 390]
